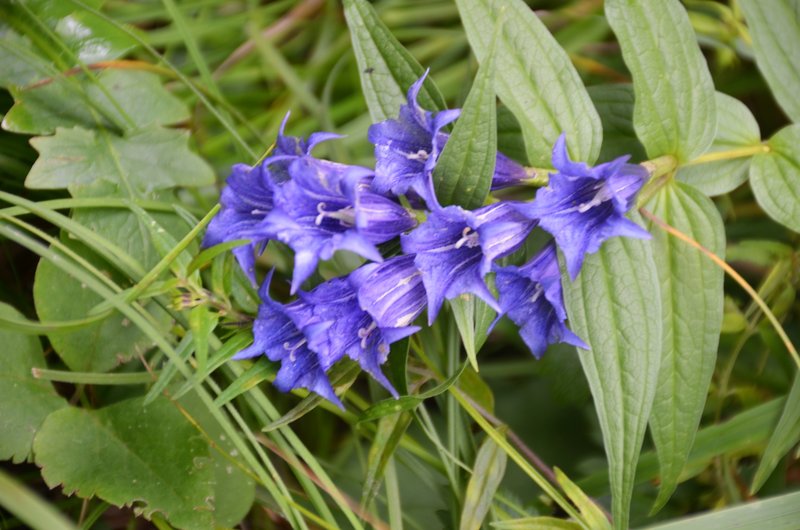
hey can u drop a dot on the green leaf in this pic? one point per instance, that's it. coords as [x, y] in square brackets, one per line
[775, 29]
[535, 79]
[487, 473]
[153, 158]
[692, 303]
[463, 173]
[24, 401]
[388, 434]
[736, 128]
[775, 177]
[777, 513]
[537, 523]
[97, 347]
[614, 306]
[675, 111]
[744, 434]
[41, 109]
[614, 104]
[127, 453]
[234, 490]
[473, 317]
[387, 69]
[591, 512]
[785, 436]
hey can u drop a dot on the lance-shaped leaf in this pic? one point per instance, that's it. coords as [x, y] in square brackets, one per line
[736, 128]
[465, 168]
[128, 453]
[387, 69]
[614, 305]
[775, 177]
[784, 437]
[614, 104]
[692, 301]
[535, 79]
[487, 473]
[24, 401]
[675, 112]
[775, 29]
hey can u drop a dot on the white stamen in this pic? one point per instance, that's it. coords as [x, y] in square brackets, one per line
[537, 293]
[346, 216]
[364, 333]
[292, 349]
[421, 155]
[468, 239]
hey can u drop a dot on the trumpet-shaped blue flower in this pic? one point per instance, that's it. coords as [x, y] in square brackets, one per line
[248, 198]
[532, 298]
[455, 249]
[353, 331]
[326, 207]
[284, 333]
[392, 292]
[583, 206]
[406, 149]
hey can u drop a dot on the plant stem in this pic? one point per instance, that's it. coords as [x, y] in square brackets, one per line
[741, 152]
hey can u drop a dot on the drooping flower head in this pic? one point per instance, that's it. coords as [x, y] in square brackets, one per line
[326, 207]
[284, 332]
[406, 149]
[392, 292]
[353, 331]
[532, 298]
[583, 206]
[455, 249]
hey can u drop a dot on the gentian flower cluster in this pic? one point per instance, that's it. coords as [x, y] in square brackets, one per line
[318, 207]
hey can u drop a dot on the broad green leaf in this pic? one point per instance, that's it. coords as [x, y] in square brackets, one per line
[776, 513]
[140, 94]
[614, 104]
[387, 69]
[127, 453]
[97, 347]
[785, 436]
[692, 301]
[19, 64]
[775, 177]
[464, 171]
[614, 305]
[736, 128]
[123, 227]
[487, 473]
[24, 401]
[535, 79]
[234, 489]
[675, 111]
[775, 29]
[591, 512]
[153, 158]
[744, 434]
[87, 36]
[389, 432]
[473, 317]
[509, 135]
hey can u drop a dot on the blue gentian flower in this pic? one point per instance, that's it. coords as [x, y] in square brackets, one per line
[326, 207]
[248, 198]
[583, 206]
[455, 249]
[531, 297]
[406, 149]
[392, 292]
[507, 173]
[353, 331]
[284, 332]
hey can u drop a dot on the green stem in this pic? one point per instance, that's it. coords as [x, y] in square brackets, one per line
[661, 170]
[741, 152]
